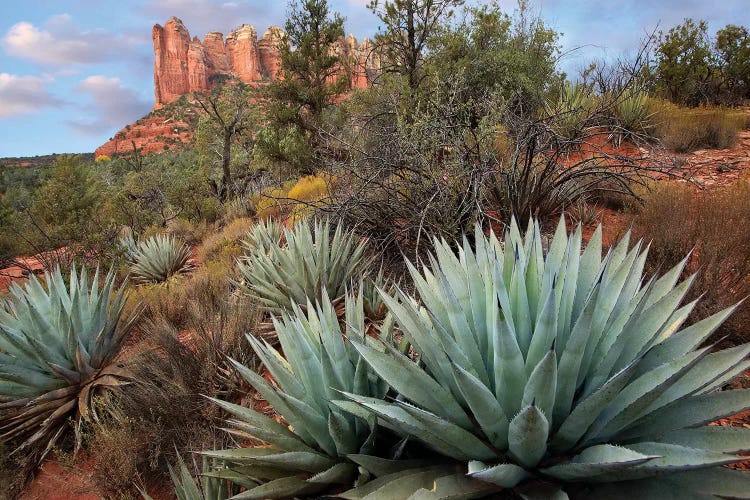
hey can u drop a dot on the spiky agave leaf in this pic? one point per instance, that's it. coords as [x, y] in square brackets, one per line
[310, 262]
[311, 455]
[212, 484]
[561, 367]
[572, 110]
[159, 257]
[57, 350]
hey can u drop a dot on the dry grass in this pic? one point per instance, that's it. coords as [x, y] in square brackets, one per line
[191, 233]
[118, 451]
[677, 218]
[185, 359]
[224, 245]
[684, 130]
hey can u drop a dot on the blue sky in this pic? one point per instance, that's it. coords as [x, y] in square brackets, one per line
[73, 72]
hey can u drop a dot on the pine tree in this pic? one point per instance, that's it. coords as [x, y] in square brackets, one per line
[311, 82]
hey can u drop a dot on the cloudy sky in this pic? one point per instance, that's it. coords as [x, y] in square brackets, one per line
[73, 72]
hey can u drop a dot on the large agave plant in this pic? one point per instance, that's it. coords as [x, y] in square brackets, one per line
[311, 262]
[558, 375]
[57, 350]
[319, 451]
[157, 258]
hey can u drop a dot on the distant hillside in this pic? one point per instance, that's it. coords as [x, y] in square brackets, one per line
[39, 161]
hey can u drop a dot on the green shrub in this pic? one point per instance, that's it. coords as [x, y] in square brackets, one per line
[573, 110]
[57, 349]
[634, 118]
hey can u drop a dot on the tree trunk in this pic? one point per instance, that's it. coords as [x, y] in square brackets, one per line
[226, 177]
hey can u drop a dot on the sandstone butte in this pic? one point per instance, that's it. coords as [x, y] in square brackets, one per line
[183, 66]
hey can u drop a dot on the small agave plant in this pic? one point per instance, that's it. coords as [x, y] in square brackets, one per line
[310, 262]
[210, 485]
[321, 449]
[159, 257]
[57, 350]
[556, 376]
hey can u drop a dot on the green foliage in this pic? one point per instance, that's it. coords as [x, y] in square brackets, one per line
[211, 485]
[306, 265]
[225, 136]
[312, 80]
[511, 59]
[159, 257]
[634, 119]
[732, 48]
[316, 453]
[694, 69]
[563, 371]
[573, 111]
[69, 210]
[408, 27]
[684, 63]
[57, 350]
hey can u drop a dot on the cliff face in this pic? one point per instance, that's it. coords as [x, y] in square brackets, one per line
[182, 65]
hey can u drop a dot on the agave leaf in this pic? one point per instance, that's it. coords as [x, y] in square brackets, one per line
[585, 413]
[542, 384]
[690, 412]
[484, 407]
[527, 436]
[454, 487]
[684, 341]
[412, 382]
[503, 475]
[341, 473]
[715, 437]
[285, 487]
[595, 461]
[406, 477]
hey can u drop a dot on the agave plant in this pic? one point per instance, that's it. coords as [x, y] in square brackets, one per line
[57, 350]
[311, 262]
[210, 485]
[156, 259]
[556, 376]
[319, 451]
[572, 110]
[633, 116]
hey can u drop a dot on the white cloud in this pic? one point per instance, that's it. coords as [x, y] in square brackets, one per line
[112, 105]
[60, 43]
[24, 94]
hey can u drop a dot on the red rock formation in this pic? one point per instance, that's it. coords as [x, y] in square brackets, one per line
[242, 48]
[182, 66]
[269, 51]
[216, 52]
[152, 134]
[171, 45]
[198, 69]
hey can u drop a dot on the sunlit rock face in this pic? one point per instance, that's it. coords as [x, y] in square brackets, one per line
[182, 65]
